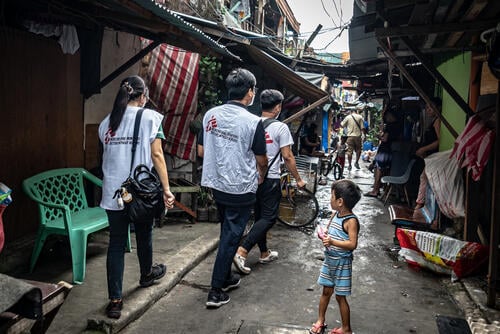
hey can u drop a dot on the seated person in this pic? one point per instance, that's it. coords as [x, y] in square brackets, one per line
[382, 160]
[311, 142]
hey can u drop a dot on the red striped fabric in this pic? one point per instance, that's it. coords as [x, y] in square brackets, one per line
[173, 86]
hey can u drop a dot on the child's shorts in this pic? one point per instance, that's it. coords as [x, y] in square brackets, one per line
[337, 273]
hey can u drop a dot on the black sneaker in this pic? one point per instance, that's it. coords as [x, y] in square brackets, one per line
[157, 272]
[217, 298]
[232, 283]
[114, 309]
[356, 165]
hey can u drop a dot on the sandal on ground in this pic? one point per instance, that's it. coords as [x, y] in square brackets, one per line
[337, 330]
[317, 328]
[370, 194]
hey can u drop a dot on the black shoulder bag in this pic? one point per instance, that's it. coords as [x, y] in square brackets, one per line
[142, 192]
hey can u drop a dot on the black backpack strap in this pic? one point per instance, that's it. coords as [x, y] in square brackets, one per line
[135, 138]
[268, 121]
[265, 123]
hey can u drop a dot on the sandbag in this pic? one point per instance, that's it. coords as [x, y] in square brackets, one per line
[440, 253]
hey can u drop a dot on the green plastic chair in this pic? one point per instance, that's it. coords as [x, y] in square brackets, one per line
[64, 210]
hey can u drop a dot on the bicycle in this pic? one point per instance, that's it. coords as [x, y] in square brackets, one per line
[298, 206]
[330, 162]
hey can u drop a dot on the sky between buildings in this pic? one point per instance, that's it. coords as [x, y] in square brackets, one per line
[331, 14]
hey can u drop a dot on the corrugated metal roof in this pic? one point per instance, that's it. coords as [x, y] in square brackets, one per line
[174, 19]
[285, 76]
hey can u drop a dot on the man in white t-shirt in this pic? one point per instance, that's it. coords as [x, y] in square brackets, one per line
[278, 145]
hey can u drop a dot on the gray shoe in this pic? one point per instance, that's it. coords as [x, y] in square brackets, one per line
[273, 255]
[239, 263]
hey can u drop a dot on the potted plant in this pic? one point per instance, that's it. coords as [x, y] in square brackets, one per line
[203, 202]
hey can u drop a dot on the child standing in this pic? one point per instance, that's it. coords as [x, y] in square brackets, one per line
[340, 239]
[341, 149]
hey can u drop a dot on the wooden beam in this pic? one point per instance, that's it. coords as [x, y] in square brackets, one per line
[417, 87]
[129, 63]
[439, 17]
[308, 108]
[441, 28]
[438, 77]
[474, 10]
[494, 219]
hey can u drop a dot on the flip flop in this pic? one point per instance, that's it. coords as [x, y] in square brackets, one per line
[370, 195]
[317, 328]
[336, 331]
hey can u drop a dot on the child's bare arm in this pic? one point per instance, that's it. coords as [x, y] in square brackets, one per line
[352, 228]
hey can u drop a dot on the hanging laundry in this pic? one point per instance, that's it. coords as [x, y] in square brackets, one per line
[472, 147]
[173, 86]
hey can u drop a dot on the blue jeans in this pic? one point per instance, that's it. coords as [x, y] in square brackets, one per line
[233, 222]
[266, 212]
[118, 235]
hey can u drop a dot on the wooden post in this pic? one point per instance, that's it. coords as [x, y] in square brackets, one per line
[495, 216]
[306, 109]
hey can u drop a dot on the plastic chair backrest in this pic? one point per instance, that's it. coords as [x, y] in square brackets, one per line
[57, 186]
[400, 157]
[406, 175]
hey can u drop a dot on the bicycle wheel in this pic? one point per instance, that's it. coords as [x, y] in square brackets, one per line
[328, 167]
[337, 172]
[300, 209]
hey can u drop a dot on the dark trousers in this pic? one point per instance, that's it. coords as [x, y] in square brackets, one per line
[118, 236]
[266, 212]
[233, 221]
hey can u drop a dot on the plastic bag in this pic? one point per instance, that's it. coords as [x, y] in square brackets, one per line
[445, 178]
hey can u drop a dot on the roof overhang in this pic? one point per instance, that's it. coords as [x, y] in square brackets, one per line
[144, 18]
[288, 13]
[285, 76]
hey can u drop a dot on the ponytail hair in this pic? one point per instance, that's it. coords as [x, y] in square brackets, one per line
[131, 88]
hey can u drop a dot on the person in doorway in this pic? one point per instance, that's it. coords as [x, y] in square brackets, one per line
[340, 239]
[310, 142]
[429, 145]
[383, 158]
[354, 130]
[279, 141]
[232, 144]
[117, 154]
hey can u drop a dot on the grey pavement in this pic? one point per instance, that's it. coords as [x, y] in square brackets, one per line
[181, 246]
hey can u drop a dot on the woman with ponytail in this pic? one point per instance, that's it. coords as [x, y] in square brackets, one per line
[116, 132]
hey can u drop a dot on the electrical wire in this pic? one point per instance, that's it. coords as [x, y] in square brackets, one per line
[324, 9]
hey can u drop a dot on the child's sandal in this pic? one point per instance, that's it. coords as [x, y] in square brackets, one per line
[317, 328]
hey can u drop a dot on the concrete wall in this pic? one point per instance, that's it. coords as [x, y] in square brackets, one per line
[117, 48]
[457, 71]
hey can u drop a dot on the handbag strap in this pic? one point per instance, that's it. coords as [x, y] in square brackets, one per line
[359, 127]
[135, 138]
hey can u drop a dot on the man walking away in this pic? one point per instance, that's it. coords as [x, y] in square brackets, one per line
[232, 143]
[354, 124]
[278, 141]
